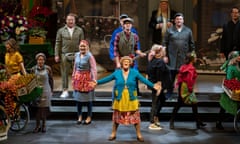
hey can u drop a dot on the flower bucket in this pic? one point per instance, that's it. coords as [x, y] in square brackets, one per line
[21, 39]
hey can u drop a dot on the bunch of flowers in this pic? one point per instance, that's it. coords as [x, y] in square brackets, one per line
[10, 7]
[14, 25]
[38, 16]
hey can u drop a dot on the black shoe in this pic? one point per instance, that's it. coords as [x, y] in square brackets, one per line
[219, 125]
[79, 122]
[44, 129]
[111, 138]
[37, 129]
[87, 123]
[200, 125]
[140, 139]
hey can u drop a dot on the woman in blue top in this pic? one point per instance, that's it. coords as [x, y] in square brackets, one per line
[84, 71]
[126, 104]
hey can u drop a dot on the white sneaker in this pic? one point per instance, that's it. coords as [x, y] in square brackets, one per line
[154, 127]
[64, 94]
[157, 123]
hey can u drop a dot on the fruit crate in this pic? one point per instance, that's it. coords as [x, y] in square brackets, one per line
[28, 88]
[232, 94]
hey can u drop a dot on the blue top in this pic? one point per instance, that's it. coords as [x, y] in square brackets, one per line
[111, 48]
[82, 63]
[120, 83]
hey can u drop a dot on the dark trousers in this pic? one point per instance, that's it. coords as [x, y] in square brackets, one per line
[157, 104]
[181, 103]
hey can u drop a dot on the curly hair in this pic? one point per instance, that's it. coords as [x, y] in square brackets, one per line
[13, 44]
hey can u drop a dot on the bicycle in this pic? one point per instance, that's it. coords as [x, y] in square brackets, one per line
[20, 116]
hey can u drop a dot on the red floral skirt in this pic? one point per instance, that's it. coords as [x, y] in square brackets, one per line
[126, 118]
[80, 81]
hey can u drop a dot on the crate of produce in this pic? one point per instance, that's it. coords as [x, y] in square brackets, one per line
[22, 91]
[34, 94]
[232, 88]
[27, 83]
[32, 85]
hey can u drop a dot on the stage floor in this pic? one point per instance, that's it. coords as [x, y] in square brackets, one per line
[68, 132]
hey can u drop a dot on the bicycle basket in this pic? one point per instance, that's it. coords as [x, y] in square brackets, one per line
[31, 96]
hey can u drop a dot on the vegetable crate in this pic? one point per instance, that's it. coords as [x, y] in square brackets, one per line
[27, 89]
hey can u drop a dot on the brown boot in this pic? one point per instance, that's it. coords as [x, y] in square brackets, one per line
[43, 126]
[114, 132]
[37, 128]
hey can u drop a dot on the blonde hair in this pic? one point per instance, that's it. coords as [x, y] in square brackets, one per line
[156, 47]
[159, 12]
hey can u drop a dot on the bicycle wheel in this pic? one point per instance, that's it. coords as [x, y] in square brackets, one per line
[20, 118]
[237, 121]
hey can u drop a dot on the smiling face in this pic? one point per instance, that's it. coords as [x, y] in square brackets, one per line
[83, 48]
[40, 61]
[70, 21]
[126, 64]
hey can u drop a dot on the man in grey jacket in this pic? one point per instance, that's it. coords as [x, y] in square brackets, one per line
[179, 41]
[67, 42]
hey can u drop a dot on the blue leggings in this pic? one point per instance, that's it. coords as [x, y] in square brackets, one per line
[89, 107]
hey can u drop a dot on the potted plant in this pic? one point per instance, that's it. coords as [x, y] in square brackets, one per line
[38, 21]
[37, 35]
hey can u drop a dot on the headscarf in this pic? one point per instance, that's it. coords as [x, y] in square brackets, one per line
[231, 60]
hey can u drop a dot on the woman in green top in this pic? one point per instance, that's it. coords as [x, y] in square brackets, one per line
[232, 69]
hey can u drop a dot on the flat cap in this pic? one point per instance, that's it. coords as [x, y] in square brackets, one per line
[128, 20]
[122, 16]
